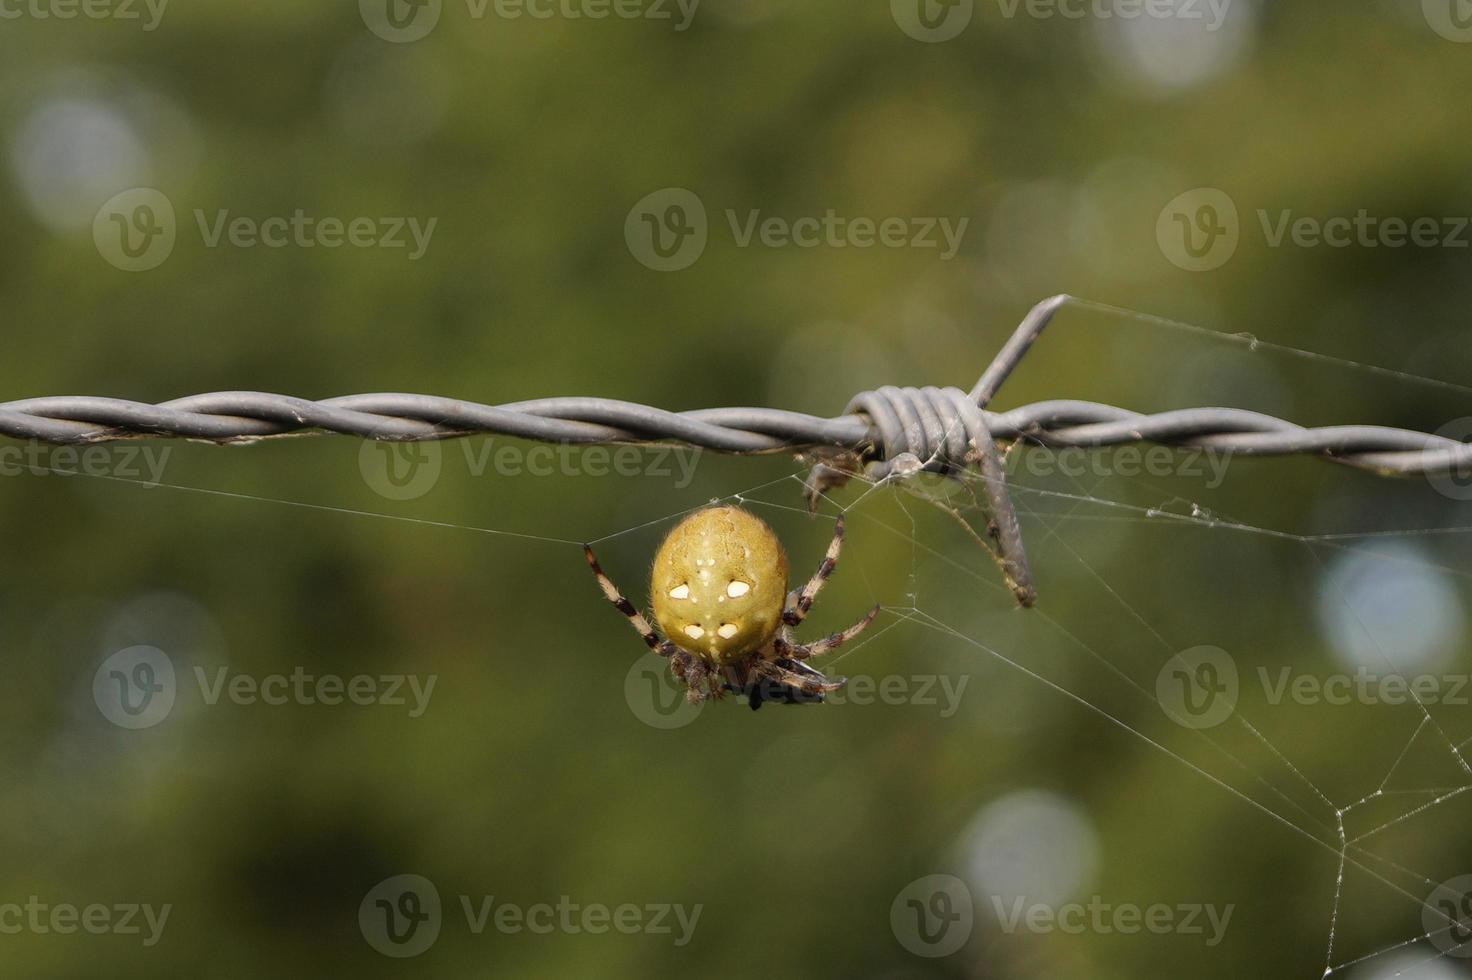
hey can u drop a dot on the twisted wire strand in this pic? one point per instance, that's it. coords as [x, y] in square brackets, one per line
[882, 424]
[887, 430]
[944, 428]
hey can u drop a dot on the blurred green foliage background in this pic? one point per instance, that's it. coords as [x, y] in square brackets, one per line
[533, 774]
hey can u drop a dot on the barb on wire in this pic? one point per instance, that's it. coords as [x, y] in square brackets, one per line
[887, 430]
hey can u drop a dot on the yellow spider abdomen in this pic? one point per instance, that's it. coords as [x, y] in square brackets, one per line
[719, 584]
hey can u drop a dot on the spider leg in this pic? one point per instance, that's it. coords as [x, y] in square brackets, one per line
[802, 651]
[697, 675]
[801, 678]
[800, 601]
[636, 619]
[807, 672]
[716, 686]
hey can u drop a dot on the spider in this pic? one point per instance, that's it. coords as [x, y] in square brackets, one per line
[725, 617]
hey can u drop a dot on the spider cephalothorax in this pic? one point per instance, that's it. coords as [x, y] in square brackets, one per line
[719, 593]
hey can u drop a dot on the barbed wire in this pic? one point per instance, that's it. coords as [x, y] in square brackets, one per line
[878, 426]
[242, 417]
[889, 430]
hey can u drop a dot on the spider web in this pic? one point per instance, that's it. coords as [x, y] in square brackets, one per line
[1382, 811]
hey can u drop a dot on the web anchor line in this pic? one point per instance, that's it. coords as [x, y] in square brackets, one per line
[890, 431]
